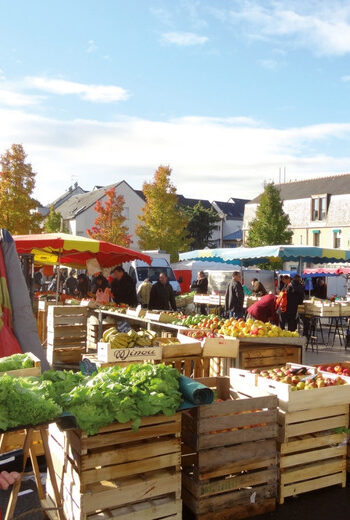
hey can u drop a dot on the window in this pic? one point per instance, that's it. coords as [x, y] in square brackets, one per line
[317, 239]
[336, 238]
[319, 207]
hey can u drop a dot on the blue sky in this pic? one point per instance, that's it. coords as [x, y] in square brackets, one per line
[226, 92]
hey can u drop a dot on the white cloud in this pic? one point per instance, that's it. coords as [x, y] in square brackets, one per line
[94, 93]
[17, 99]
[268, 64]
[91, 47]
[323, 27]
[184, 39]
[211, 157]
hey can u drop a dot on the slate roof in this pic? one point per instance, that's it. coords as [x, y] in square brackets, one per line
[184, 201]
[71, 207]
[233, 209]
[60, 200]
[333, 185]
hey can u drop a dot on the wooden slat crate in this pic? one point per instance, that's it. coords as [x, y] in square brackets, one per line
[191, 366]
[15, 441]
[69, 356]
[313, 449]
[230, 455]
[66, 334]
[92, 333]
[252, 355]
[119, 473]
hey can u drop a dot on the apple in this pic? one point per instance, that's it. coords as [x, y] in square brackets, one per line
[338, 369]
[301, 385]
[320, 383]
[330, 369]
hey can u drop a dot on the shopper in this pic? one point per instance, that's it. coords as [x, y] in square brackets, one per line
[264, 309]
[320, 290]
[234, 299]
[295, 296]
[201, 287]
[123, 287]
[144, 292]
[99, 282]
[71, 284]
[83, 284]
[258, 288]
[162, 295]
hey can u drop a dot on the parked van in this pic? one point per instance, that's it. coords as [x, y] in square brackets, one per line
[139, 271]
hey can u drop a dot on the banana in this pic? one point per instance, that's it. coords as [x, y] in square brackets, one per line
[106, 334]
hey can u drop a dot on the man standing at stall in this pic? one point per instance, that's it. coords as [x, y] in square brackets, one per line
[162, 295]
[123, 287]
[235, 297]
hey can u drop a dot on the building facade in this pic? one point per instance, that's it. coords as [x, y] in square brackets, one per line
[318, 209]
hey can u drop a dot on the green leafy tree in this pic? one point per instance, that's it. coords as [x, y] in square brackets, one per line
[163, 223]
[270, 225]
[54, 222]
[18, 210]
[201, 225]
[109, 223]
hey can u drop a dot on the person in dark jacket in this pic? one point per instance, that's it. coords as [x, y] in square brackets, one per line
[83, 285]
[320, 290]
[258, 288]
[99, 282]
[264, 309]
[162, 295]
[123, 287]
[71, 284]
[201, 287]
[235, 297]
[295, 297]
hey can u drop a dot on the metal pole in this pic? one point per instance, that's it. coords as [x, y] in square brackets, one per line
[58, 277]
[300, 264]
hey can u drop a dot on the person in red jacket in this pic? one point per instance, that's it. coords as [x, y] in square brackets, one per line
[264, 309]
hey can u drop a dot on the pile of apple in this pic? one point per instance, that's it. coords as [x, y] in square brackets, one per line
[240, 328]
[300, 378]
[337, 369]
[199, 334]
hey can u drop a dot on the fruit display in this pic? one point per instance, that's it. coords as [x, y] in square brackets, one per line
[116, 339]
[339, 369]
[240, 328]
[299, 378]
[199, 334]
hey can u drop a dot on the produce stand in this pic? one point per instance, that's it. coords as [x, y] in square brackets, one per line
[229, 456]
[29, 451]
[128, 475]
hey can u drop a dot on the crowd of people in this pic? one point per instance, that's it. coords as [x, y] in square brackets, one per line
[118, 287]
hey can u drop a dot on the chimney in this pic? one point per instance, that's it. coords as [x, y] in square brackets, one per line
[75, 185]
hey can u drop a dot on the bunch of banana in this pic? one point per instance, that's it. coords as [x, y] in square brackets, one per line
[108, 334]
[144, 338]
[122, 340]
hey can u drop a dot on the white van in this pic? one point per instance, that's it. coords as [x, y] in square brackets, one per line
[139, 271]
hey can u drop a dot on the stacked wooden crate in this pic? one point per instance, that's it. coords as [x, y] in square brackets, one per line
[66, 334]
[313, 436]
[186, 357]
[269, 352]
[230, 454]
[119, 473]
[92, 333]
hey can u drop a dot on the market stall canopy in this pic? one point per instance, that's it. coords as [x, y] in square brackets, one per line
[74, 251]
[328, 271]
[258, 255]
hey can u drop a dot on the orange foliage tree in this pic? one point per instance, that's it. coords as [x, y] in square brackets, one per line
[18, 210]
[109, 223]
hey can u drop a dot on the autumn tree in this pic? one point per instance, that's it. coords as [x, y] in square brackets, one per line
[202, 222]
[270, 225]
[54, 222]
[163, 223]
[109, 223]
[18, 210]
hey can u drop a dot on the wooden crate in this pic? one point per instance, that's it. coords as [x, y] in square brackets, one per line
[230, 454]
[270, 354]
[15, 441]
[92, 334]
[190, 366]
[122, 473]
[26, 372]
[66, 326]
[313, 449]
[65, 356]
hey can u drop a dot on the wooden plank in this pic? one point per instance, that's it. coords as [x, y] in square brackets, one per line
[238, 436]
[292, 430]
[311, 485]
[300, 474]
[311, 456]
[309, 415]
[153, 420]
[164, 508]
[237, 405]
[311, 442]
[251, 419]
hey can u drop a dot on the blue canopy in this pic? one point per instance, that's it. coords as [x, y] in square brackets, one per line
[264, 254]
